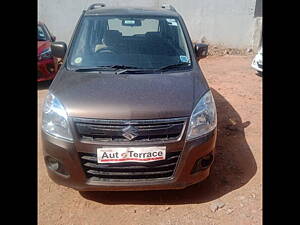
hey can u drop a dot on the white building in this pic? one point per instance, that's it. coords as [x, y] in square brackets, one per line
[231, 23]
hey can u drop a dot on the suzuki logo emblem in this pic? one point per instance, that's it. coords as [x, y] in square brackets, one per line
[130, 132]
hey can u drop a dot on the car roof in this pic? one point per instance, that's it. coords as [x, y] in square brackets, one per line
[112, 11]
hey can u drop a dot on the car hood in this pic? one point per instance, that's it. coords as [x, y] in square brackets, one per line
[42, 45]
[137, 96]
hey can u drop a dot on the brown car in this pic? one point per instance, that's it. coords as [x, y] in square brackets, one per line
[129, 108]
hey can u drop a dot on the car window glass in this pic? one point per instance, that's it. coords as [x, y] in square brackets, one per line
[82, 41]
[142, 42]
[41, 34]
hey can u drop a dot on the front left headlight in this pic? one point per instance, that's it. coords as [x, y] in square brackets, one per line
[55, 119]
[204, 117]
[45, 54]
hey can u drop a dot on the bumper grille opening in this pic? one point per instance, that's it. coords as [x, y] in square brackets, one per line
[55, 165]
[163, 130]
[203, 163]
[128, 171]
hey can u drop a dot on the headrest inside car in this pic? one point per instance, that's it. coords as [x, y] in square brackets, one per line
[153, 35]
[112, 37]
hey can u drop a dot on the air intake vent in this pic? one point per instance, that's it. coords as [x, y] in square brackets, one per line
[129, 171]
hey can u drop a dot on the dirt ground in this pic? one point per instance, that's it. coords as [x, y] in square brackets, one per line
[232, 195]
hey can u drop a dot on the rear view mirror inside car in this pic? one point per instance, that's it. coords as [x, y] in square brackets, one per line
[131, 22]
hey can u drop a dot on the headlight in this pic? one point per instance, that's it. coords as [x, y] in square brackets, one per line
[55, 119]
[45, 54]
[204, 117]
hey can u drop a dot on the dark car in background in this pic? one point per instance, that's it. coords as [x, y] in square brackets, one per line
[129, 108]
[47, 64]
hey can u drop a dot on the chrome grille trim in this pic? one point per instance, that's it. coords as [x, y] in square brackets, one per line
[150, 131]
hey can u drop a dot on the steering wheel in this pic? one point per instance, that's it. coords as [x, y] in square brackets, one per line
[105, 50]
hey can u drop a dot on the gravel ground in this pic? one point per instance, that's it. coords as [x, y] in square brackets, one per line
[231, 195]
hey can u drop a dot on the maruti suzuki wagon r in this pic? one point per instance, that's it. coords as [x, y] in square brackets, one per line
[129, 108]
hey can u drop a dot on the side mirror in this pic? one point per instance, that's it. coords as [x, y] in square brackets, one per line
[58, 49]
[53, 38]
[201, 50]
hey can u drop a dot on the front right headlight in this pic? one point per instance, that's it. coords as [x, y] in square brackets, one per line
[204, 117]
[55, 119]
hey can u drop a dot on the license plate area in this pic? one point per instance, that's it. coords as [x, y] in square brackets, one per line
[131, 154]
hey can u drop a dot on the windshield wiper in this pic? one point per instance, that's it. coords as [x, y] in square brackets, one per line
[141, 70]
[173, 66]
[101, 68]
[131, 69]
[96, 68]
[123, 67]
[135, 71]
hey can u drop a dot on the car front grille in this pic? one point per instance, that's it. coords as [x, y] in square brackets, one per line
[128, 171]
[160, 130]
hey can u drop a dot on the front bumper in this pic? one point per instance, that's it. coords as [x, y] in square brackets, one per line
[257, 63]
[67, 154]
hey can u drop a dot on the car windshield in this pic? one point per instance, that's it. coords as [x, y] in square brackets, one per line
[136, 42]
[42, 36]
